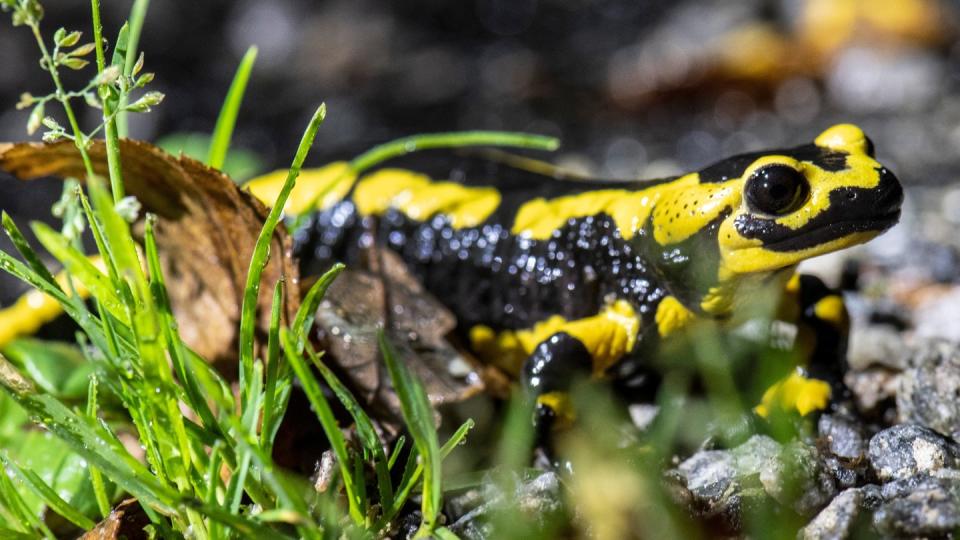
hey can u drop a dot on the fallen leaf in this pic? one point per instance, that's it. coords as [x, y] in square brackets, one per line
[206, 232]
[126, 521]
[418, 325]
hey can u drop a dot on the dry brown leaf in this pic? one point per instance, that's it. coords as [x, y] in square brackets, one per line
[125, 521]
[353, 311]
[206, 232]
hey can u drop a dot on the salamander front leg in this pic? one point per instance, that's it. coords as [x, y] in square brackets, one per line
[546, 378]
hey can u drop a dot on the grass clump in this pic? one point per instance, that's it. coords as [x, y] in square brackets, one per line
[207, 469]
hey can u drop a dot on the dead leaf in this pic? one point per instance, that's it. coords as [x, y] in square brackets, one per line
[126, 521]
[206, 233]
[353, 311]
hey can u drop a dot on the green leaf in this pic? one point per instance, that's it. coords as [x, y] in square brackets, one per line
[308, 306]
[365, 430]
[89, 439]
[80, 268]
[57, 368]
[223, 131]
[419, 418]
[24, 249]
[48, 495]
[321, 407]
[261, 251]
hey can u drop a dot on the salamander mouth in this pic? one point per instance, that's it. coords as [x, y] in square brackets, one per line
[804, 239]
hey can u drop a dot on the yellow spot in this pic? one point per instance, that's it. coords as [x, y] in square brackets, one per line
[793, 285]
[795, 393]
[672, 316]
[420, 198]
[316, 189]
[35, 309]
[607, 336]
[843, 137]
[559, 403]
[749, 259]
[832, 310]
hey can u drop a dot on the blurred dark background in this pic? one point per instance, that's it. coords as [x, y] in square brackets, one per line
[634, 88]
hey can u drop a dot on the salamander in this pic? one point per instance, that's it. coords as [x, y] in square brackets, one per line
[551, 276]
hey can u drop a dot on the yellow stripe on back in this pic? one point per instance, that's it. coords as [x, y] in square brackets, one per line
[316, 189]
[420, 198]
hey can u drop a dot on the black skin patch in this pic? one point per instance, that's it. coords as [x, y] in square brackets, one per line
[735, 166]
[555, 364]
[851, 210]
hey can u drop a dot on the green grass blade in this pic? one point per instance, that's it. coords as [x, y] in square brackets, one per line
[397, 448]
[132, 41]
[81, 268]
[99, 239]
[261, 252]
[48, 495]
[96, 477]
[311, 301]
[10, 534]
[311, 387]
[14, 503]
[418, 415]
[413, 470]
[426, 141]
[271, 391]
[75, 308]
[175, 346]
[223, 132]
[89, 439]
[365, 429]
[25, 251]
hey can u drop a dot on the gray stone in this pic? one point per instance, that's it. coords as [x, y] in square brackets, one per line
[844, 436]
[906, 450]
[876, 345]
[929, 391]
[836, 521]
[928, 507]
[792, 475]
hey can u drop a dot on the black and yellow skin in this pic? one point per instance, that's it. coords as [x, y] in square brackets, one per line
[550, 277]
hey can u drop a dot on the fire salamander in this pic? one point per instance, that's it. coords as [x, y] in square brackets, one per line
[550, 277]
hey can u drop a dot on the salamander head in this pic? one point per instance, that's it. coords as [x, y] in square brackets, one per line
[790, 205]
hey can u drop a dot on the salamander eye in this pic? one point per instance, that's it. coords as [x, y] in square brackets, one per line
[776, 189]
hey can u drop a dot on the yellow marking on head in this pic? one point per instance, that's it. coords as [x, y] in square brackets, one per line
[684, 209]
[832, 310]
[672, 316]
[316, 189]
[757, 259]
[607, 336]
[420, 198]
[743, 255]
[35, 309]
[562, 407]
[795, 393]
[844, 138]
